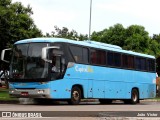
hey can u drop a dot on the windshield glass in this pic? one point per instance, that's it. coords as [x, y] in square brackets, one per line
[27, 63]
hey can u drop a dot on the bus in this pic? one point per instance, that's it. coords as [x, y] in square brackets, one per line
[63, 69]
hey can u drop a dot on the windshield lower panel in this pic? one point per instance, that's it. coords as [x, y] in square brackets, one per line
[27, 63]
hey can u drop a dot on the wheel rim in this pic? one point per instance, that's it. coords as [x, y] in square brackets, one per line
[134, 97]
[76, 95]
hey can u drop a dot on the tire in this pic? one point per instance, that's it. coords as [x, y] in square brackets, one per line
[75, 96]
[105, 101]
[134, 96]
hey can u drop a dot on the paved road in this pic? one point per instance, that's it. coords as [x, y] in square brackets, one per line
[111, 110]
[84, 106]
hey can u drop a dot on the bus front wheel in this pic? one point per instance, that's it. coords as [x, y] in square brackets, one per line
[75, 96]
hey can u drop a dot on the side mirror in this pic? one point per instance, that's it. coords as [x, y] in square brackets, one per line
[4, 54]
[45, 52]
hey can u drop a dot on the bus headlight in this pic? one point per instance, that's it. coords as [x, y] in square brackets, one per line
[12, 91]
[40, 91]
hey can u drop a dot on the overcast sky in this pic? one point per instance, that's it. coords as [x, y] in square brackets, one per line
[74, 14]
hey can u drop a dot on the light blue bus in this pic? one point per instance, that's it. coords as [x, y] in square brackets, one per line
[62, 69]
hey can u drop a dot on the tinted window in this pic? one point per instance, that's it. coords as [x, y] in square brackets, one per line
[130, 62]
[80, 54]
[117, 59]
[138, 63]
[127, 61]
[124, 61]
[101, 57]
[114, 59]
[110, 58]
[93, 56]
[98, 57]
[143, 64]
[85, 55]
[77, 53]
[151, 65]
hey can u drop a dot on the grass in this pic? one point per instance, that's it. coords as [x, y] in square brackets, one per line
[4, 95]
[157, 98]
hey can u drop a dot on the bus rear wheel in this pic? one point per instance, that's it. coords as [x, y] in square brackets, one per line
[75, 96]
[134, 97]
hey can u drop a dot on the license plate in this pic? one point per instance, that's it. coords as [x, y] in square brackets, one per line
[24, 93]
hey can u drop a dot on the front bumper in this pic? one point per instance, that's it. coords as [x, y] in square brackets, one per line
[29, 93]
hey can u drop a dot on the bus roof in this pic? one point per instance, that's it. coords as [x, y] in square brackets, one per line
[87, 43]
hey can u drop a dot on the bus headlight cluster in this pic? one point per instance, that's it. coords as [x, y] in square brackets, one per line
[12, 91]
[40, 91]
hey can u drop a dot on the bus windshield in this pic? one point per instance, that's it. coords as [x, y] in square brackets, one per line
[27, 63]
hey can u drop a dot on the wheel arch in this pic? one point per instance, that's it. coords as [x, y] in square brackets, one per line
[81, 88]
[136, 88]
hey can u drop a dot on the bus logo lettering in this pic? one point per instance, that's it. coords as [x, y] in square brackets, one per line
[83, 69]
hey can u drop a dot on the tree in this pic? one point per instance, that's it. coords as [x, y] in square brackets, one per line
[155, 45]
[134, 38]
[137, 39]
[154, 48]
[15, 24]
[114, 35]
[156, 37]
[65, 33]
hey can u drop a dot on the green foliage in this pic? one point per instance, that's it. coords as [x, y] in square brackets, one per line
[137, 39]
[113, 35]
[65, 33]
[156, 37]
[16, 23]
[154, 48]
[155, 45]
[4, 95]
[133, 38]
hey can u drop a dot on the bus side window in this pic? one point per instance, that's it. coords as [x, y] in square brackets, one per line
[137, 63]
[93, 56]
[76, 53]
[124, 61]
[117, 59]
[85, 55]
[151, 65]
[130, 62]
[110, 58]
[143, 64]
[101, 57]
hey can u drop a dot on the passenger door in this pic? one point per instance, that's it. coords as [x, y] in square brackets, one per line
[90, 88]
